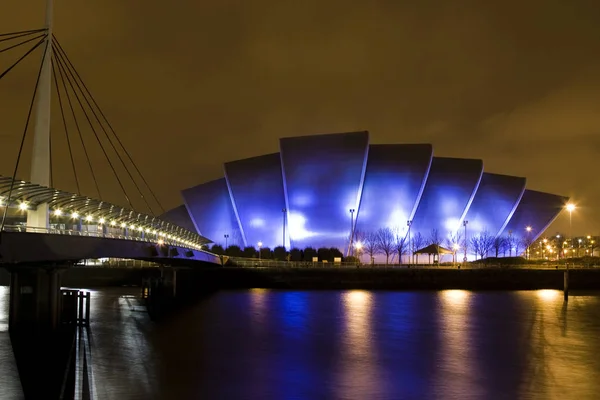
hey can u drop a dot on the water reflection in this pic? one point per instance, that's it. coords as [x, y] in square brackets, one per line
[559, 359]
[347, 345]
[10, 385]
[4, 300]
[456, 373]
[359, 376]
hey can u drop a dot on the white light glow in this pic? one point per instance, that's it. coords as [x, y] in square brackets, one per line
[101, 220]
[75, 215]
[58, 212]
[23, 206]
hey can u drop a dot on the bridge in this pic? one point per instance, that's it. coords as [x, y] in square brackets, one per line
[43, 229]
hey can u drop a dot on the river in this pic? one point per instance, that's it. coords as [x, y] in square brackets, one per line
[268, 344]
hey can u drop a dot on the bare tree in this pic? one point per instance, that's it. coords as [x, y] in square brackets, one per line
[527, 242]
[474, 245]
[370, 244]
[417, 242]
[482, 244]
[385, 242]
[487, 243]
[400, 245]
[498, 245]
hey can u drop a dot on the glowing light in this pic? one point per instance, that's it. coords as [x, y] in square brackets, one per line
[548, 294]
[257, 223]
[23, 206]
[528, 229]
[101, 220]
[570, 207]
[455, 296]
[161, 242]
[75, 215]
[260, 244]
[89, 218]
[113, 222]
[358, 245]
[123, 225]
[58, 212]
[456, 247]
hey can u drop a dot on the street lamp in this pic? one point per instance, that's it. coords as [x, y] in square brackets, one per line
[410, 255]
[226, 236]
[528, 229]
[351, 230]
[259, 246]
[465, 223]
[455, 247]
[358, 246]
[570, 208]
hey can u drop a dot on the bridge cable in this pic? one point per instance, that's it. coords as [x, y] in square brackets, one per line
[20, 32]
[22, 57]
[65, 57]
[113, 132]
[62, 113]
[14, 175]
[85, 152]
[96, 134]
[20, 43]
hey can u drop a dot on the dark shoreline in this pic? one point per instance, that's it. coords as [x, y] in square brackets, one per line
[190, 281]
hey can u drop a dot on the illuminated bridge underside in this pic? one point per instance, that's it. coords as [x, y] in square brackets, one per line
[323, 177]
[209, 205]
[536, 210]
[450, 187]
[256, 187]
[318, 179]
[40, 247]
[495, 201]
[394, 180]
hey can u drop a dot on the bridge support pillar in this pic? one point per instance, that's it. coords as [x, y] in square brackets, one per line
[40, 344]
[34, 299]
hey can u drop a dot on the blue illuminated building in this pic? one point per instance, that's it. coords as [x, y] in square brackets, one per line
[318, 189]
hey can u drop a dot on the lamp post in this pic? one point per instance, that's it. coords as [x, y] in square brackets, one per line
[283, 211]
[259, 246]
[510, 243]
[455, 247]
[352, 231]
[465, 223]
[570, 208]
[410, 255]
[358, 248]
[226, 236]
[528, 229]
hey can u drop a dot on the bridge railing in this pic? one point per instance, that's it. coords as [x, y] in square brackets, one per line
[256, 263]
[96, 234]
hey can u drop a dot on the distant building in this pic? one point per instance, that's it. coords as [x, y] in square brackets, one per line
[317, 188]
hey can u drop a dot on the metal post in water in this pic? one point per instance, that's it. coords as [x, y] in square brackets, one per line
[566, 284]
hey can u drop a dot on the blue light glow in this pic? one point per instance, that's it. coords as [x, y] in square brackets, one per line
[210, 207]
[328, 168]
[393, 180]
[315, 181]
[256, 186]
[450, 186]
[537, 210]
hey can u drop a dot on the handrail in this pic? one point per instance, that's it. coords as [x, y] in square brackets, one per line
[71, 232]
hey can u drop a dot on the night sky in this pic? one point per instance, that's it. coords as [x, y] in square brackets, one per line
[189, 85]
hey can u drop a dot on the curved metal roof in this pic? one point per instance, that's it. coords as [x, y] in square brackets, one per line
[92, 210]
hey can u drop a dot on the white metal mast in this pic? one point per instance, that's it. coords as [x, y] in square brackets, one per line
[40, 160]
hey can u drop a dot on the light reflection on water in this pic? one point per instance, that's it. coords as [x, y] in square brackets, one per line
[268, 344]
